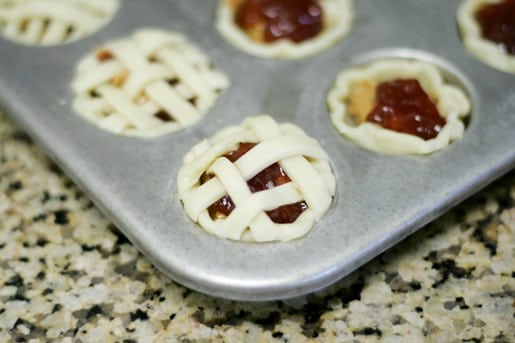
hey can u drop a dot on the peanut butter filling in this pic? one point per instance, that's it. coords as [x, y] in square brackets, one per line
[362, 98]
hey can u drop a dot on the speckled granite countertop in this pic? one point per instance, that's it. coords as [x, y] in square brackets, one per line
[67, 274]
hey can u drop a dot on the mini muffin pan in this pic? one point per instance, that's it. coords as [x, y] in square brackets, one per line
[379, 200]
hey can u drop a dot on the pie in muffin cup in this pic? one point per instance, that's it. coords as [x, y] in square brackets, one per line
[53, 22]
[338, 18]
[300, 156]
[451, 102]
[151, 83]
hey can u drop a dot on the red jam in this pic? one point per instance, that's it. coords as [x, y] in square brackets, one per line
[296, 20]
[403, 106]
[497, 23]
[271, 177]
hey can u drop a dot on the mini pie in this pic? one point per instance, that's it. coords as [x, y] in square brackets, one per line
[484, 49]
[52, 22]
[337, 16]
[151, 83]
[281, 172]
[353, 94]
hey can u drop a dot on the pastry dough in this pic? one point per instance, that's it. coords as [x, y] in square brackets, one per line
[301, 157]
[485, 50]
[151, 83]
[51, 22]
[451, 102]
[338, 17]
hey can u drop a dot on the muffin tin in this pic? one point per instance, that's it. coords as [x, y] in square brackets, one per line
[379, 199]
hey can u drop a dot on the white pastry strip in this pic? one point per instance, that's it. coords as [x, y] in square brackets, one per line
[451, 102]
[138, 80]
[144, 73]
[487, 51]
[126, 108]
[113, 121]
[50, 22]
[89, 81]
[128, 55]
[243, 215]
[183, 112]
[264, 230]
[33, 31]
[301, 157]
[317, 194]
[200, 158]
[338, 17]
[275, 149]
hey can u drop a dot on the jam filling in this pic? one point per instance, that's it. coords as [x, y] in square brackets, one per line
[403, 106]
[296, 20]
[104, 55]
[497, 22]
[270, 177]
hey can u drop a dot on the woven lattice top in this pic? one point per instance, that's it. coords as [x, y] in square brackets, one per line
[151, 83]
[51, 22]
[300, 156]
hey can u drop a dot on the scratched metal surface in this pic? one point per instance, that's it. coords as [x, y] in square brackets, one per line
[379, 199]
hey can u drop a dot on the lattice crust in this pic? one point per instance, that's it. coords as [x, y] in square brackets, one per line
[51, 22]
[451, 102]
[151, 83]
[301, 157]
[485, 50]
[339, 15]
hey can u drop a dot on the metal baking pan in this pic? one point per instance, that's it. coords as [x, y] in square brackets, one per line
[380, 199]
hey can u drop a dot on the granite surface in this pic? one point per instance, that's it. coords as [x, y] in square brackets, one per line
[67, 274]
